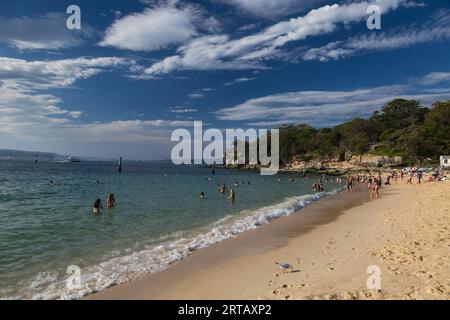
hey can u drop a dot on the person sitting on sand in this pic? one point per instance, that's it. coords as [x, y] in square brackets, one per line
[97, 206]
[111, 201]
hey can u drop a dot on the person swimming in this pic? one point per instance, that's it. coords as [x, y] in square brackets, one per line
[202, 195]
[223, 188]
[111, 201]
[97, 206]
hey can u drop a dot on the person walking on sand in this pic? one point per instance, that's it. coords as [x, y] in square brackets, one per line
[97, 206]
[350, 184]
[374, 190]
[419, 177]
[410, 177]
[111, 201]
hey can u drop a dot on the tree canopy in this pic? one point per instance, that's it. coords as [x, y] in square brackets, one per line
[401, 127]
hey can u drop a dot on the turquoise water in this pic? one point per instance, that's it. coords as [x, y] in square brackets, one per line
[159, 219]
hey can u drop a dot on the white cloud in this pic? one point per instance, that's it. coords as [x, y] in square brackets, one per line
[437, 29]
[271, 8]
[180, 109]
[219, 52]
[157, 28]
[55, 73]
[33, 119]
[23, 101]
[196, 95]
[42, 32]
[238, 80]
[323, 108]
[435, 77]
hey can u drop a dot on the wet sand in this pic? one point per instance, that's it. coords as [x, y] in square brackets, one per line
[330, 244]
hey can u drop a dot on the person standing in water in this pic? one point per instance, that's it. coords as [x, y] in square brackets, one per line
[120, 165]
[232, 196]
[111, 201]
[97, 206]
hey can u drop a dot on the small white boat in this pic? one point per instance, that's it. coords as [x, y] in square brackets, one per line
[73, 159]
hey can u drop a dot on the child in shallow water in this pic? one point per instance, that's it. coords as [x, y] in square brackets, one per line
[111, 201]
[97, 206]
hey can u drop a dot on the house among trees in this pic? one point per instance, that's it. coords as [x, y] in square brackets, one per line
[445, 161]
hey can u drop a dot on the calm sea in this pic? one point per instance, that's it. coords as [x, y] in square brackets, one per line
[159, 219]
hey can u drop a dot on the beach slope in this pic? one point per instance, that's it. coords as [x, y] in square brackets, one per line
[330, 246]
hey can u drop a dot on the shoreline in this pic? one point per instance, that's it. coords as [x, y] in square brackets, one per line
[349, 233]
[272, 236]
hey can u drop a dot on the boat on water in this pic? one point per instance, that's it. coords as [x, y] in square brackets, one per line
[73, 159]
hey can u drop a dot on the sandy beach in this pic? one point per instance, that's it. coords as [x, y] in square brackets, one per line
[330, 244]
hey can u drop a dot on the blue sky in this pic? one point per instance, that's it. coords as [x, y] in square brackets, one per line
[139, 69]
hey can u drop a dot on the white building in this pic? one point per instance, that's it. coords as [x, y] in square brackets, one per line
[445, 162]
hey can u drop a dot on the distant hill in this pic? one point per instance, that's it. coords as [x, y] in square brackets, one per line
[30, 155]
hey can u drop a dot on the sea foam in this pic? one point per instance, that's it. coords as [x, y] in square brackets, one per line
[155, 258]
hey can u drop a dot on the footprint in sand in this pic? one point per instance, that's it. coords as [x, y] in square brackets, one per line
[302, 286]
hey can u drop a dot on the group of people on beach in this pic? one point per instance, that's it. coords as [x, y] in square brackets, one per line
[415, 175]
[374, 182]
[110, 202]
[409, 175]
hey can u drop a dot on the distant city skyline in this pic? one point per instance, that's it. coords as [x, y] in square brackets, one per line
[138, 69]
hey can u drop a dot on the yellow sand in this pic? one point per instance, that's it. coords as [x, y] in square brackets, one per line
[405, 232]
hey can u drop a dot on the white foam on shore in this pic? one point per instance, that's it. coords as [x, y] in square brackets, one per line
[158, 257]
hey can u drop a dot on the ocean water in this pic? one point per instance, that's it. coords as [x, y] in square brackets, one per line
[159, 219]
